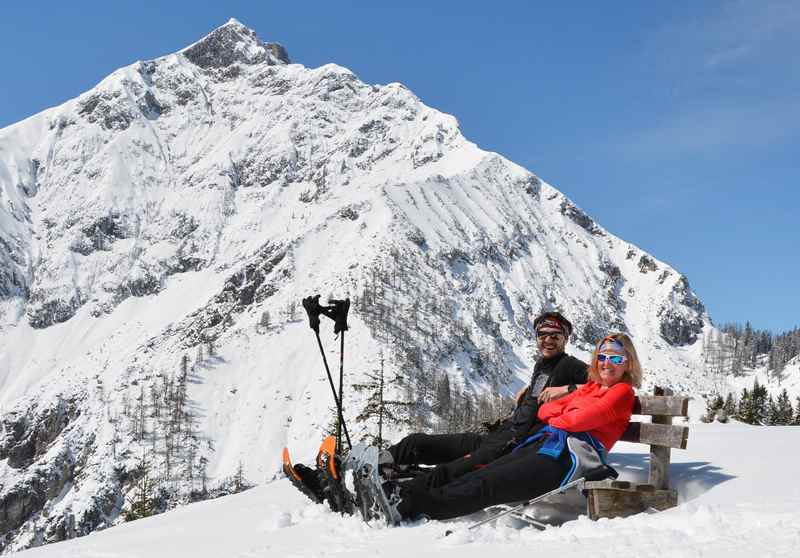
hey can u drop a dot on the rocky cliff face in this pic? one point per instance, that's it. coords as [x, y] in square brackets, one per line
[157, 232]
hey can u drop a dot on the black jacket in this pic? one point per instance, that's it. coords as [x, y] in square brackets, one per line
[561, 370]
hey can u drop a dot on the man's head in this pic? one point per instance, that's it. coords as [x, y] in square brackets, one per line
[552, 331]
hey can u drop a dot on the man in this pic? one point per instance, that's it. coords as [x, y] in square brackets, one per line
[554, 375]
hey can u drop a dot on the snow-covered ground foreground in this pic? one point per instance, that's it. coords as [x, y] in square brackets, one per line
[738, 494]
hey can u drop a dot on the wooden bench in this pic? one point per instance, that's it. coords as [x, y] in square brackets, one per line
[613, 498]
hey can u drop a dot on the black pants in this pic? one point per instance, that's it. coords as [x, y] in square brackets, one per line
[453, 454]
[520, 475]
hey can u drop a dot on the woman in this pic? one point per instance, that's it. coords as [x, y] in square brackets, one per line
[597, 414]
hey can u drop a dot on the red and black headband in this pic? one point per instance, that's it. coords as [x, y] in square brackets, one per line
[553, 322]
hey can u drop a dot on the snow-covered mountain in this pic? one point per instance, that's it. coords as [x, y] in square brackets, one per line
[158, 232]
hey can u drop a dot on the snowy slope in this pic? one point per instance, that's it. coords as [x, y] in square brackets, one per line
[733, 503]
[181, 198]
[789, 379]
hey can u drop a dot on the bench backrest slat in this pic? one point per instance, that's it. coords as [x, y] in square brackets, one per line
[666, 435]
[671, 406]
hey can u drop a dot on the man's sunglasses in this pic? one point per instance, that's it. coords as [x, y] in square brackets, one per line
[555, 336]
[614, 359]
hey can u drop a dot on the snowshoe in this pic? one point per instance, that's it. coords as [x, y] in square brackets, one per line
[375, 498]
[305, 479]
[333, 489]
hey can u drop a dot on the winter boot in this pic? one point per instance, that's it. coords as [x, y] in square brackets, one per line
[305, 479]
[328, 464]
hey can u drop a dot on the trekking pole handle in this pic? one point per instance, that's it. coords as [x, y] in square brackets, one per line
[337, 311]
[313, 309]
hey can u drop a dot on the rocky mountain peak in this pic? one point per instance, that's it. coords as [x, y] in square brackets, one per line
[234, 43]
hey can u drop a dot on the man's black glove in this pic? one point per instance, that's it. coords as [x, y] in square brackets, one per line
[494, 425]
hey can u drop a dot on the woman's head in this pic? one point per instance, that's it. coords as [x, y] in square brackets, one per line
[615, 360]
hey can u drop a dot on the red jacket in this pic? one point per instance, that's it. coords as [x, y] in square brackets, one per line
[604, 413]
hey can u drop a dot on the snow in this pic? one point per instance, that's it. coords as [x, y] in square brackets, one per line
[737, 499]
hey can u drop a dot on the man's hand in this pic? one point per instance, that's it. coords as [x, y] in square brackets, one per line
[553, 393]
[520, 394]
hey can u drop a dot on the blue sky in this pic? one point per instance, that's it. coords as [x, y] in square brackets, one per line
[675, 124]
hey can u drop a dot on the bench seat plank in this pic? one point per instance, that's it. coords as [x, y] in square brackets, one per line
[609, 499]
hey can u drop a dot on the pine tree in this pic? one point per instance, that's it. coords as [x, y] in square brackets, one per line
[138, 427]
[744, 412]
[203, 475]
[239, 482]
[443, 396]
[190, 449]
[796, 420]
[265, 320]
[291, 310]
[169, 449]
[462, 415]
[754, 405]
[730, 405]
[143, 503]
[713, 405]
[377, 406]
[782, 410]
[166, 390]
[126, 404]
[155, 401]
[760, 403]
[772, 413]
[115, 437]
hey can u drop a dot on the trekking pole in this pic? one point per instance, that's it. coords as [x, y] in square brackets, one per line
[338, 314]
[313, 309]
[341, 392]
[597, 474]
